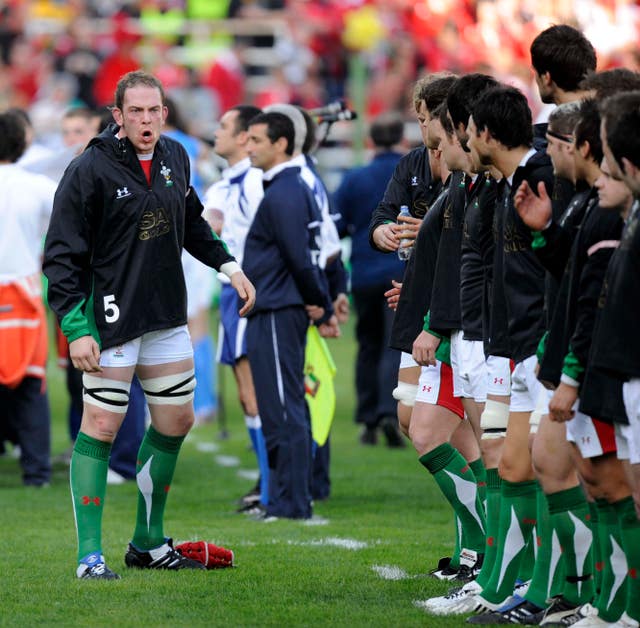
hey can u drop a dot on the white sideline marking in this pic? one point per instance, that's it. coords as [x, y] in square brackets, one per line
[334, 541]
[316, 520]
[228, 461]
[248, 474]
[207, 448]
[390, 572]
[348, 544]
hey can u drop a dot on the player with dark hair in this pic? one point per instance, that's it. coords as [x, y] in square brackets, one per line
[281, 257]
[561, 57]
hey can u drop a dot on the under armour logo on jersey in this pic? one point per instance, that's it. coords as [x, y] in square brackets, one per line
[498, 380]
[414, 181]
[426, 389]
[122, 192]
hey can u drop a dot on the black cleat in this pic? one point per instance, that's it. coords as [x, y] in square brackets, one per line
[522, 612]
[163, 557]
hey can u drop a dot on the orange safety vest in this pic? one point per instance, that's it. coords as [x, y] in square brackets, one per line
[23, 331]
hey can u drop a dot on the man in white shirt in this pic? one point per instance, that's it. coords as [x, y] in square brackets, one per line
[230, 205]
[26, 200]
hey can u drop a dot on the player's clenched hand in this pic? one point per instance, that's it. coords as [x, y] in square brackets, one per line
[409, 227]
[393, 294]
[385, 237]
[85, 354]
[424, 349]
[245, 291]
[562, 402]
[330, 329]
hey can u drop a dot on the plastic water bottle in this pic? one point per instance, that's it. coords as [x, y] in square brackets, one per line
[404, 252]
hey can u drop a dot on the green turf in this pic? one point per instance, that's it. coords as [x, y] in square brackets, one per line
[287, 574]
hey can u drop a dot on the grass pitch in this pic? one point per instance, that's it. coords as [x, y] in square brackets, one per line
[361, 563]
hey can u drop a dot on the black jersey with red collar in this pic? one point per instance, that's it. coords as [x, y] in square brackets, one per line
[113, 250]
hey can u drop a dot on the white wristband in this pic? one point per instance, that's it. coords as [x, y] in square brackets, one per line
[230, 268]
[569, 381]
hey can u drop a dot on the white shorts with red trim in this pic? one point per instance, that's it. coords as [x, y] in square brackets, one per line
[407, 361]
[592, 437]
[469, 368]
[499, 376]
[436, 388]
[524, 386]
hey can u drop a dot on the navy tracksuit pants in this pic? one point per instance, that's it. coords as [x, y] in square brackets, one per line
[275, 347]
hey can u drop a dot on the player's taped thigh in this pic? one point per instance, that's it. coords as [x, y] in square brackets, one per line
[107, 394]
[494, 419]
[405, 393]
[541, 409]
[170, 390]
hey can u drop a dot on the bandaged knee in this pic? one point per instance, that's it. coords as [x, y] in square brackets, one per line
[170, 390]
[494, 419]
[108, 394]
[405, 393]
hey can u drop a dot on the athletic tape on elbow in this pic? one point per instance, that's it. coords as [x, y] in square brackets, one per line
[494, 419]
[170, 390]
[108, 394]
[405, 393]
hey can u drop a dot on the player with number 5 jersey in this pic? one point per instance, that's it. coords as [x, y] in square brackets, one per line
[122, 214]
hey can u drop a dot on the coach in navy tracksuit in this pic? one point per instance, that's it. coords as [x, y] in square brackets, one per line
[281, 258]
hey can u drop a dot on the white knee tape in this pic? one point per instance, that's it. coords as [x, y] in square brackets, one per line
[534, 422]
[108, 394]
[170, 390]
[405, 393]
[494, 419]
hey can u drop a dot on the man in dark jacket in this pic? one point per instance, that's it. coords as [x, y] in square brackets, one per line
[121, 215]
[281, 257]
[371, 274]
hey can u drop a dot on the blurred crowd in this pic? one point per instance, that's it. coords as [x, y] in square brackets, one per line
[211, 54]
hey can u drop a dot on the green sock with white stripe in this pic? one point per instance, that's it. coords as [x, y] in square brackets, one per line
[458, 484]
[517, 518]
[630, 534]
[613, 595]
[570, 518]
[494, 483]
[154, 472]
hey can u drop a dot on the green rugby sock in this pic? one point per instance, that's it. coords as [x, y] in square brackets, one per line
[458, 484]
[570, 518]
[630, 534]
[88, 479]
[477, 466]
[613, 596]
[545, 559]
[517, 518]
[154, 472]
[494, 482]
